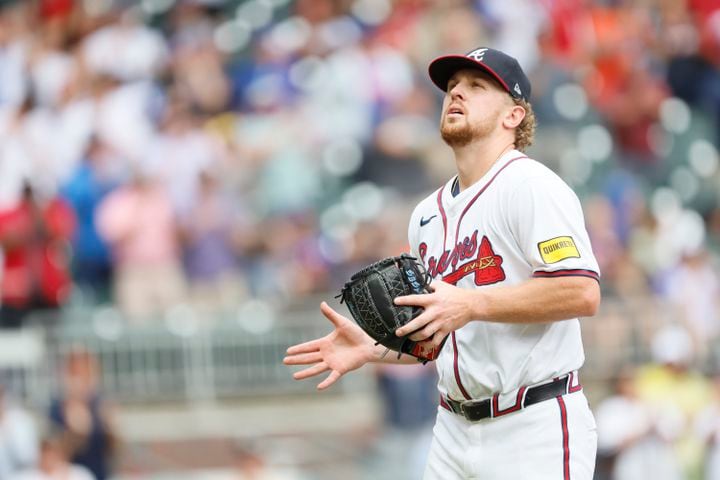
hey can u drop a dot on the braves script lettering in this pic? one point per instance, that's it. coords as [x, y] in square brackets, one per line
[487, 265]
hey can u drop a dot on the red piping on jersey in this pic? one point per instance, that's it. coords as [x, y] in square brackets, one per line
[567, 273]
[444, 404]
[566, 439]
[477, 195]
[442, 214]
[454, 341]
[457, 369]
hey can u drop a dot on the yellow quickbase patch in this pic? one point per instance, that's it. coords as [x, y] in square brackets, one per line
[558, 248]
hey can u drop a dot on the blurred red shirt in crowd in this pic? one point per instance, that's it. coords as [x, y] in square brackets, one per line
[35, 237]
[55, 8]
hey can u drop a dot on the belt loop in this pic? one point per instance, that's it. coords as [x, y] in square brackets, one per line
[524, 395]
[574, 384]
[568, 382]
[494, 401]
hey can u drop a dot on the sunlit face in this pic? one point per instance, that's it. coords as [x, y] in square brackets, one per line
[472, 108]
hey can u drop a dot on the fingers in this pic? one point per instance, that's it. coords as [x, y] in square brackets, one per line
[316, 370]
[332, 378]
[438, 338]
[311, 371]
[428, 331]
[307, 347]
[416, 324]
[332, 315]
[314, 345]
[303, 359]
[413, 300]
[437, 285]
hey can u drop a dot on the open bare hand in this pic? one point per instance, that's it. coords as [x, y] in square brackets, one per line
[345, 349]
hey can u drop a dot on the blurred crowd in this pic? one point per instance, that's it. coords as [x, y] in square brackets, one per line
[662, 418]
[211, 151]
[208, 152]
[75, 439]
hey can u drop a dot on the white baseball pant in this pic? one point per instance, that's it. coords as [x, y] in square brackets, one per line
[552, 440]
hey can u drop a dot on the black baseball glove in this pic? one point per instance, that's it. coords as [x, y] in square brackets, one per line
[369, 296]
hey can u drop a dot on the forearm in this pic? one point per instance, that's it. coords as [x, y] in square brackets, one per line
[538, 300]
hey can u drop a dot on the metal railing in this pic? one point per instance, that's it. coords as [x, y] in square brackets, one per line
[180, 359]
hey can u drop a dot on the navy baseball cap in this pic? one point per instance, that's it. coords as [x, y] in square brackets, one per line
[501, 66]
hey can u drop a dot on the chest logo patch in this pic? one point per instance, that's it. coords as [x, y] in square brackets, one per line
[557, 249]
[486, 265]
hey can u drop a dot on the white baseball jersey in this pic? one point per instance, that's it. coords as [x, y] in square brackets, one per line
[519, 221]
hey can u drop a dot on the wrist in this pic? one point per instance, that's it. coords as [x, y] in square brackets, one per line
[377, 353]
[477, 305]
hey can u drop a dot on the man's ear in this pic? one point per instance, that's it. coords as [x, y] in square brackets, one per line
[514, 116]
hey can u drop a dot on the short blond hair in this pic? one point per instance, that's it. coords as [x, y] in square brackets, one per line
[525, 132]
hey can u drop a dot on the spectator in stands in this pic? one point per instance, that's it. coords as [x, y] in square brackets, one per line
[601, 223]
[35, 236]
[14, 29]
[671, 384]
[18, 437]
[84, 417]
[693, 287]
[89, 184]
[292, 265]
[395, 155]
[707, 428]
[208, 232]
[180, 151]
[199, 70]
[138, 222]
[692, 45]
[636, 440]
[713, 223]
[54, 464]
[397, 386]
[16, 163]
[409, 399]
[138, 51]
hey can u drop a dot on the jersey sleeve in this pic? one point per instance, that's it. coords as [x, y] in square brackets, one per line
[548, 223]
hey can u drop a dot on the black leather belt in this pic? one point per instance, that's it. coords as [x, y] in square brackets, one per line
[475, 410]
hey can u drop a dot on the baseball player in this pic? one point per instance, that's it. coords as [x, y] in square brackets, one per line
[513, 269]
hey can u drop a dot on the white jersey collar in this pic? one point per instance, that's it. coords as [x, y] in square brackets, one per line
[451, 202]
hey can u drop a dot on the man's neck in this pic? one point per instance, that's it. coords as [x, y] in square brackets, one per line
[475, 159]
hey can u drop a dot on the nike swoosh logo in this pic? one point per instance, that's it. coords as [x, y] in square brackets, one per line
[424, 222]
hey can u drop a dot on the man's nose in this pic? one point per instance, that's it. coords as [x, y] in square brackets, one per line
[457, 92]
